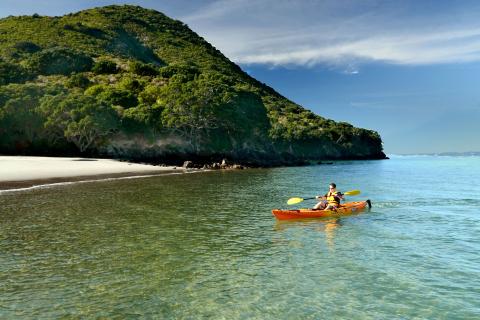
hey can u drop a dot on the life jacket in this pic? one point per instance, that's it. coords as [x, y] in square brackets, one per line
[333, 198]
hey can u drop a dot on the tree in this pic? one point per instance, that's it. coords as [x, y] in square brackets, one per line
[21, 123]
[23, 117]
[113, 96]
[192, 108]
[82, 119]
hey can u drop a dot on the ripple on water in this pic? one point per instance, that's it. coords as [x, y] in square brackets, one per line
[207, 246]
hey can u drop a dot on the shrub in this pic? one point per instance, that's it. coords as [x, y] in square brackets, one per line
[105, 67]
[59, 60]
[27, 47]
[175, 69]
[79, 81]
[12, 73]
[131, 84]
[143, 69]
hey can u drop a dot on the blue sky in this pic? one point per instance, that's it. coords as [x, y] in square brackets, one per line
[408, 69]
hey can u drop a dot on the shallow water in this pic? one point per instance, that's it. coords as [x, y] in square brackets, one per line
[205, 245]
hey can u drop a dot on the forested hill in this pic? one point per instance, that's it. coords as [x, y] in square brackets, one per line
[124, 81]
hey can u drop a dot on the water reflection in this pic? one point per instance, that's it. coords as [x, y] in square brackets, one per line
[328, 226]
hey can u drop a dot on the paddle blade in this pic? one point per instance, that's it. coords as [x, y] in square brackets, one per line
[294, 200]
[352, 193]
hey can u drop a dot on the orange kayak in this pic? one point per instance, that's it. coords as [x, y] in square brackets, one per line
[345, 209]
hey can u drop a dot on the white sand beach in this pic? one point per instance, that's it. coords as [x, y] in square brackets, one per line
[21, 168]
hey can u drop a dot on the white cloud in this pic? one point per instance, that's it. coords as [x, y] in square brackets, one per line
[343, 33]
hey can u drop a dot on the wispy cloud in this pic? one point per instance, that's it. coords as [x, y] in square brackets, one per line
[342, 33]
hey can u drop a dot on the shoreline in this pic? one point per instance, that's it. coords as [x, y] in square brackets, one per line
[25, 172]
[29, 172]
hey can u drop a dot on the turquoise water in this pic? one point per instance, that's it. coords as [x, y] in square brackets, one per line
[205, 245]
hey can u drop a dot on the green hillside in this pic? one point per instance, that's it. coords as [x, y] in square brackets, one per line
[123, 81]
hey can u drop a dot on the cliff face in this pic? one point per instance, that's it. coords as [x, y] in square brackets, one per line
[128, 82]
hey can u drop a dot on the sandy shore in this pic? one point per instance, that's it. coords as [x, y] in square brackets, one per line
[22, 172]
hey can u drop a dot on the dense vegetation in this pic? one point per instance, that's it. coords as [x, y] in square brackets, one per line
[128, 82]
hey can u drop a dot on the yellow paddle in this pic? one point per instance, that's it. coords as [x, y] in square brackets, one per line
[298, 200]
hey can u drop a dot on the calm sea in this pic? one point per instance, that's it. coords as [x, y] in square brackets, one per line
[205, 245]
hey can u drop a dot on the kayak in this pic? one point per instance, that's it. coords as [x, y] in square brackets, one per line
[345, 209]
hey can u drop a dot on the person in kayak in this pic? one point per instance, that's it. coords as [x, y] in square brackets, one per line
[331, 200]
